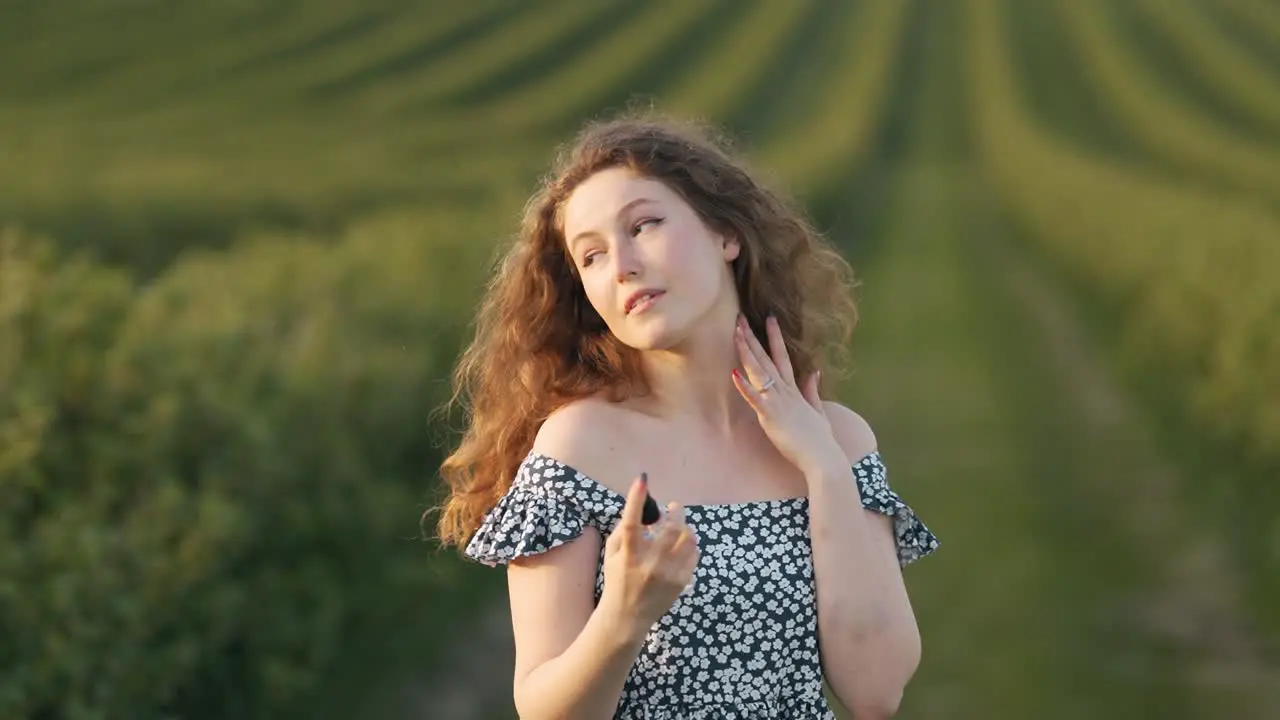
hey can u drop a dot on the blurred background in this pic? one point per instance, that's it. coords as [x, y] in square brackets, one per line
[240, 242]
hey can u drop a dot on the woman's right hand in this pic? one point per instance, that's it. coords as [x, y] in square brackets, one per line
[644, 572]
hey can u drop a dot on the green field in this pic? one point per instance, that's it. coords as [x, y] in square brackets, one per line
[240, 243]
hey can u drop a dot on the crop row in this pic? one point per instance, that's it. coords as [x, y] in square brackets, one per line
[1156, 118]
[1189, 270]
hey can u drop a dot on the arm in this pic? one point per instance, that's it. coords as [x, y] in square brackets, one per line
[571, 660]
[867, 629]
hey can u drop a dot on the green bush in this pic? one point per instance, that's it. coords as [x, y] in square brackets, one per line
[66, 563]
[213, 485]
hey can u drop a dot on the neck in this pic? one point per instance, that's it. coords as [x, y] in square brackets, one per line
[693, 382]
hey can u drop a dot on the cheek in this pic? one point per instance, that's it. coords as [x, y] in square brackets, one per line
[676, 257]
[597, 289]
[694, 264]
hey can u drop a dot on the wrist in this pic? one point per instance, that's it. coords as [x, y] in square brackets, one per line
[623, 624]
[824, 465]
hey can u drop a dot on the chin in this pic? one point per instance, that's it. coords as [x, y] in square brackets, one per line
[646, 343]
[652, 338]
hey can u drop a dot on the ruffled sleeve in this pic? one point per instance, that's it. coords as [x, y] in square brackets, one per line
[914, 539]
[539, 512]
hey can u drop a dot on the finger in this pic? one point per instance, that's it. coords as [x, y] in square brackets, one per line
[678, 543]
[672, 526]
[675, 512]
[660, 548]
[687, 541]
[748, 336]
[613, 542]
[755, 369]
[629, 523]
[678, 549]
[689, 563]
[748, 391]
[778, 350]
[810, 391]
[757, 350]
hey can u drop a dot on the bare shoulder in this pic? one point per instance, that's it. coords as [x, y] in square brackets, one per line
[585, 434]
[851, 430]
[551, 593]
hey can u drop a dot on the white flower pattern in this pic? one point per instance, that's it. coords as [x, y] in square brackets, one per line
[742, 643]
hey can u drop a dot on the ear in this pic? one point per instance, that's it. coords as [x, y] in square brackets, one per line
[730, 248]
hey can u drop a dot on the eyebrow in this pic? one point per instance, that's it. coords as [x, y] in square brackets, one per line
[621, 210]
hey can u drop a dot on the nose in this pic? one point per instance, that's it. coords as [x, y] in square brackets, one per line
[626, 263]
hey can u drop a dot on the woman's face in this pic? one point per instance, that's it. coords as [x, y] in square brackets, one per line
[649, 265]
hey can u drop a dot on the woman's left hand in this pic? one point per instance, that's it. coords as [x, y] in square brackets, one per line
[790, 413]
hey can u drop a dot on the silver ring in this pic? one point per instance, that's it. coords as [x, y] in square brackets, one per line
[767, 384]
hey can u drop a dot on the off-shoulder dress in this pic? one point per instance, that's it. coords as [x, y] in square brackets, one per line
[743, 641]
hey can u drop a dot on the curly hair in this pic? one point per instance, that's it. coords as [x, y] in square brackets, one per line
[538, 342]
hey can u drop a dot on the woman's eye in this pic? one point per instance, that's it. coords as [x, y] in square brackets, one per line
[636, 228]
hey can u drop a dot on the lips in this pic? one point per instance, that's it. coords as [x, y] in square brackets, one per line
[640, 297]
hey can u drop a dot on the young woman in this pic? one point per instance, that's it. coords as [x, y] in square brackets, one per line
[657, 330]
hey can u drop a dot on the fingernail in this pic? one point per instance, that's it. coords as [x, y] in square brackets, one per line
[644, 478]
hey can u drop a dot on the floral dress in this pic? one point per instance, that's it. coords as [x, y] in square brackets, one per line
[742, 642]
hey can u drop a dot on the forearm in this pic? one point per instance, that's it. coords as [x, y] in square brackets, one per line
[586, 680]
[868, 636]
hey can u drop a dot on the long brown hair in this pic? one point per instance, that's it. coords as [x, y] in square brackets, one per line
[538, 342]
